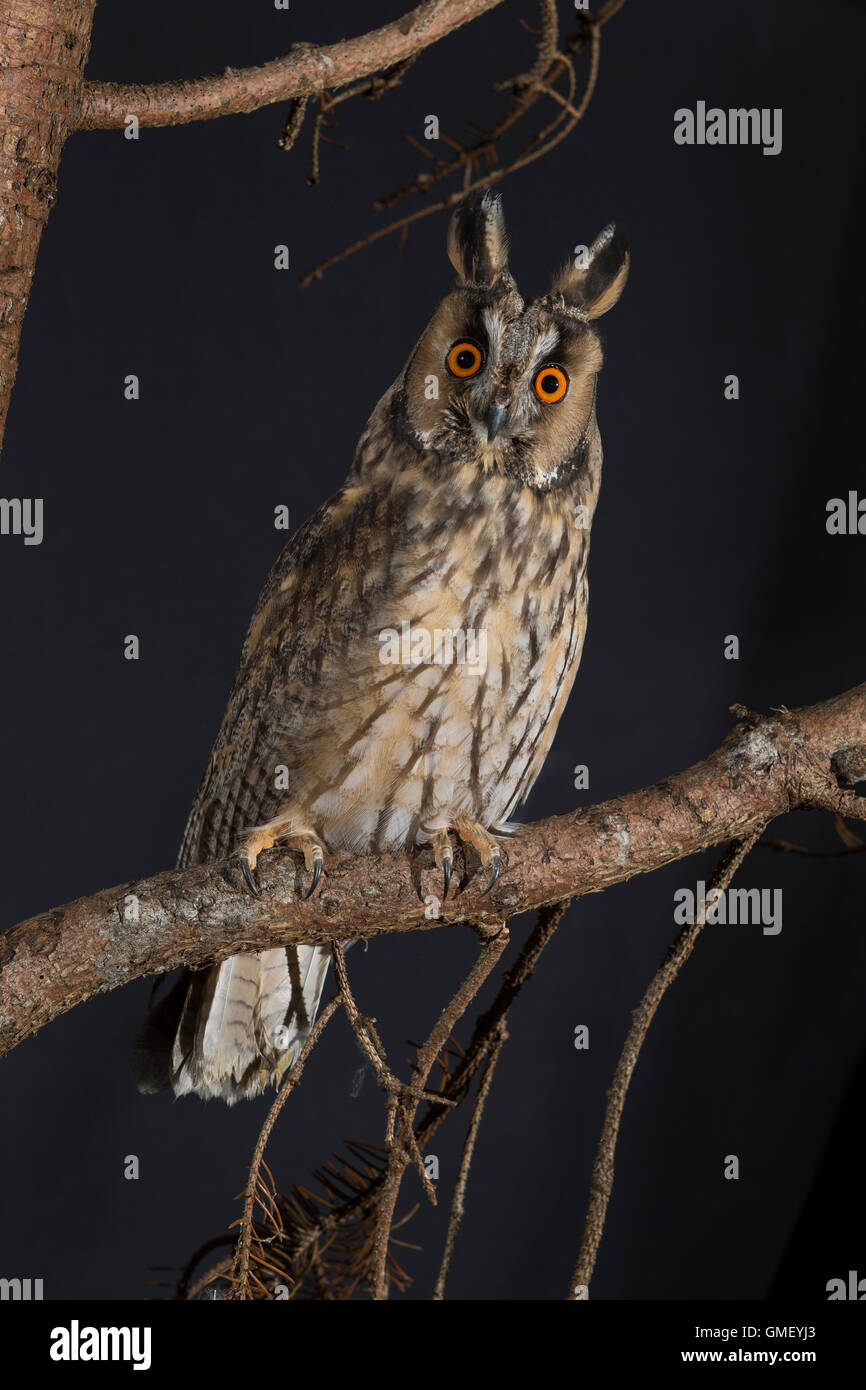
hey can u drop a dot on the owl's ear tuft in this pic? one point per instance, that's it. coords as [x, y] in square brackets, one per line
[596, 282]
[477, 244]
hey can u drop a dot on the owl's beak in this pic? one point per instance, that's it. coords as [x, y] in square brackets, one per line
[495, 418]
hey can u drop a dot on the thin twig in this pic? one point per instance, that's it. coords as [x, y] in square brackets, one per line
[546, 50]
[294, 121]
[362, 1027]
[182, 1287]
[540, 145]
[218, 1271]
[490, 952]
[458, 1201]
[362, 1204]
[313, 176]
[485, 1032]
[603, 1167]
[292, 1077]
[372, 1045]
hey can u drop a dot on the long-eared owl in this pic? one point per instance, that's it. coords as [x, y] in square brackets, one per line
[415, 643]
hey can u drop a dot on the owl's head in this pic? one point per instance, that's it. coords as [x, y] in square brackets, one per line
[507, 382]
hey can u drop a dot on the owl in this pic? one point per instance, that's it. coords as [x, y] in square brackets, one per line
[415, 643]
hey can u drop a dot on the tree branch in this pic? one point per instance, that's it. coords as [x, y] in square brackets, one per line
[601, 1184]
[458, 1200]
[325, 1242]
[304, 71]
[43, 49]
[479, 162]
[290, 1081]
[765, 767]
[399, 1149]
[43, 96]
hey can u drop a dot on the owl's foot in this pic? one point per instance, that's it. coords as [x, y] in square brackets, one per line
[480, 839]
[269, 835]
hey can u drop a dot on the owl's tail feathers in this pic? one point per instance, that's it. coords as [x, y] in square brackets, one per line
[151, 1053]
[230, 1031]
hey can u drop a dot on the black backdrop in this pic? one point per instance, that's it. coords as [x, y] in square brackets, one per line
[158, 261]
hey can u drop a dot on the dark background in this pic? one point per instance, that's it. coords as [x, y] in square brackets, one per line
[158, 260]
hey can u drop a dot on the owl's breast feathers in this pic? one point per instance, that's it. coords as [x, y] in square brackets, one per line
[409, 657]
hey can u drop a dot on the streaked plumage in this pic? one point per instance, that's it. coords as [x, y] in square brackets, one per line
[467, 510]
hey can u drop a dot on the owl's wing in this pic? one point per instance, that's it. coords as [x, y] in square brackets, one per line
[314, 604]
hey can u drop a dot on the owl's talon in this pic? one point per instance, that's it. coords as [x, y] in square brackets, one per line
[314, 859]
[444, 856]
[248, 876]
[317, 874]
[485, 845]
[497, 869]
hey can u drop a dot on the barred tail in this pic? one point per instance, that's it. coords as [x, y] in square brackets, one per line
[231, 1030]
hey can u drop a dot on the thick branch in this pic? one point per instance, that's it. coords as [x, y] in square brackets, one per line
[304, 71]
[765, 767]
[43, 49]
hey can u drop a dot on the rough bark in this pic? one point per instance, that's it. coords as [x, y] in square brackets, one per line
[43, 49]
[307, 69]
[765, 767]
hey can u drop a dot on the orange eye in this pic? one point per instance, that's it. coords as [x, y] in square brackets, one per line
[464, 358]
[551, 384]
